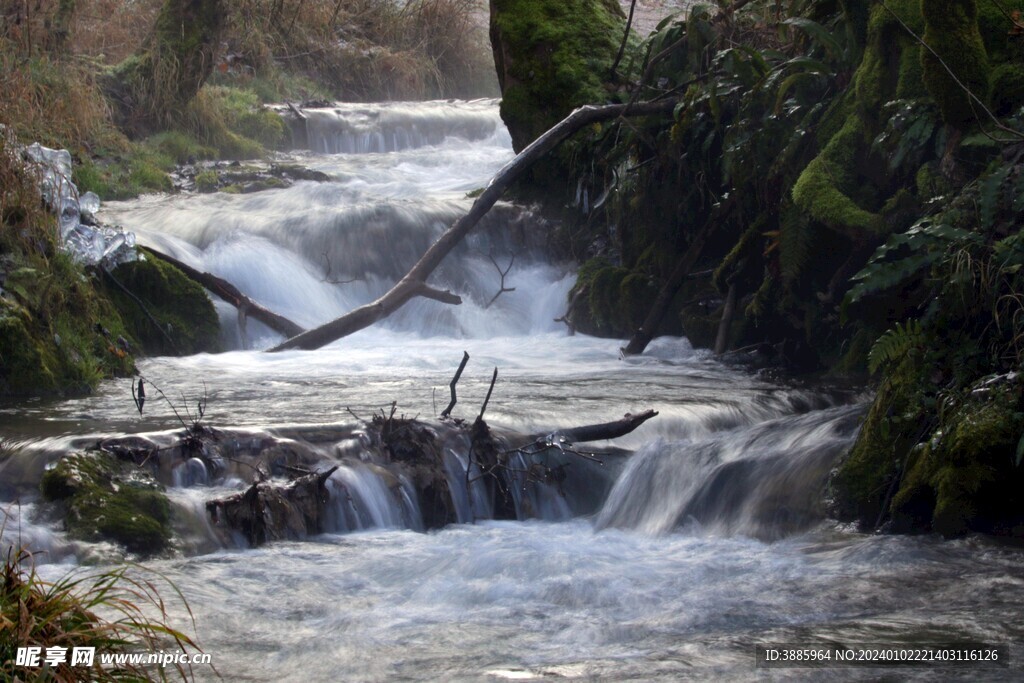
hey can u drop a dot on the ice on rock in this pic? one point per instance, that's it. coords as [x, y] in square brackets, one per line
[91, 246]
[89, 205]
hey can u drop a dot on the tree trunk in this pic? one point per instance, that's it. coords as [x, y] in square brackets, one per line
[170, 67]
[643, 336]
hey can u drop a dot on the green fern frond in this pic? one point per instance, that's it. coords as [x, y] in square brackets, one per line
[795, 246]
[895, 344]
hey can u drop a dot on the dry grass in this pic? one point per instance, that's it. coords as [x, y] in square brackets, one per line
[52, 101]
[113, 611]
[368, 49]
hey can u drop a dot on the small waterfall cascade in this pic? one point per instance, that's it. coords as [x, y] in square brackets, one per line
[746, 463]
[400, 174]
[395, 126]
[766, 481]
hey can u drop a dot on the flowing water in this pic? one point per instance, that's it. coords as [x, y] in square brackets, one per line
[703, 533]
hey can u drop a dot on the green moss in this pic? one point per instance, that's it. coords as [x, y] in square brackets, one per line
[207, 181]
[1007, 88]
[884, 67]
[951, 30]
[552, 56]
[997, 30]
[820, 189]
[183, 319]
[965, 478]
[107, 499]
[861, 485]
[24, 368]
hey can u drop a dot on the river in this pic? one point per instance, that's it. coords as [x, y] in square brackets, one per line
[712, 538]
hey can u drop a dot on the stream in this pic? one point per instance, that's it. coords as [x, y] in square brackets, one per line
[711, 535]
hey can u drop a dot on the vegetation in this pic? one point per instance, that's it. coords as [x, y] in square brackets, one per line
[111, 611]
[131, 95]
[837, 176]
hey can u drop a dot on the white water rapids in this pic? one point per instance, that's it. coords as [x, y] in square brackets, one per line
[712, 538]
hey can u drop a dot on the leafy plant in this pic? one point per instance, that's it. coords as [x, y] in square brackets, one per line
[896, 344]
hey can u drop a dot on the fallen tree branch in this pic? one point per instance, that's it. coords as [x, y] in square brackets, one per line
[414, 282]
[227, 291]
[605, 430]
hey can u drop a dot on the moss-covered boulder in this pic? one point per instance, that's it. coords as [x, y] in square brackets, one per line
[552, 56]
[609, 300]
[863, 485]
[165, 312]
[966, 476]
[57, 331]
[104, 498]
[1007, 89]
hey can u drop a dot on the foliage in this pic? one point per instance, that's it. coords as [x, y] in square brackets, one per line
[112, 611]
[56, 332]
[895, 345]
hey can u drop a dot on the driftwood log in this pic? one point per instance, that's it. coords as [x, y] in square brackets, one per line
[297, 508]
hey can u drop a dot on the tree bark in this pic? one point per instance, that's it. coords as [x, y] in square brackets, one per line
[414, 283]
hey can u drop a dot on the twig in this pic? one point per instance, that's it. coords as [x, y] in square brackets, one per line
[625, 39]
[487, 400]
[455, 380]
[503, 273]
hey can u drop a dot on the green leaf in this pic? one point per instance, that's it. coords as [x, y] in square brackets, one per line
[895, 344]
[1020, 451]
[989, 199]
[817, 33]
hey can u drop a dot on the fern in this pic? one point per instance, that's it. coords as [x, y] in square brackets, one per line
[905, 255]
[989, 197]
[795, 245]
[895, 344]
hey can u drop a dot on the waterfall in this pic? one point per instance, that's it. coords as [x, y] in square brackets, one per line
[400, 174]
[766, 481]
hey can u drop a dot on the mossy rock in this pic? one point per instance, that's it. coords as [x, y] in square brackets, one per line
[178, 319]
[965, 478]
[1007, 89]
[609, 300]
[861, 485]
[104, 498]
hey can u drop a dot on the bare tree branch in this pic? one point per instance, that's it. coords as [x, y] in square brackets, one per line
[413, 284]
